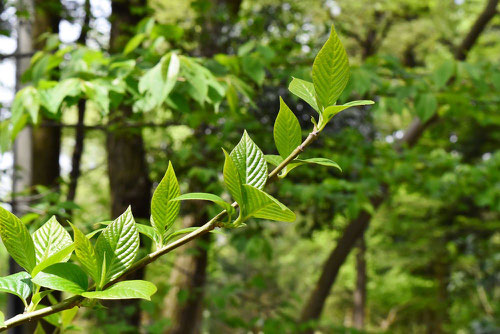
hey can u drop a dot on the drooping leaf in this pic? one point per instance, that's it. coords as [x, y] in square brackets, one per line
[62, 255]
[287, 132]
[305, 90]
[443, 73]
[273, 159]
[330, 71]
[317, 161]
[163, 211]
[425, 106]
[49, 239]
[125, 290]
[232, 179]
[63, 277]
[206, 197]
[117, 246]
[331, 111]
[17, 240]
[262, 205]
[86, 254]
[17, 284]
[250, 162]
[159, 81]
[52, 98]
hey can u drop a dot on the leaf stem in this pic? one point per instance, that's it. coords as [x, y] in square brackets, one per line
[151, 257]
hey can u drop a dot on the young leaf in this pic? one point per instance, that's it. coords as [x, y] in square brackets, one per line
[17, 284]
[317, 161]
[163, 211]
[86, 254]
[62, 255]
[63, 277]
[287, 132]
[250, 162]
[207, 197]
[262, 205]
[305, 90]
[331, 111]
[49, 239]
[117, 246]
[232, 179]
[37, 297]
[273, 159]
[125, 290]
[17, 240]
[330, 71]
[2, 320]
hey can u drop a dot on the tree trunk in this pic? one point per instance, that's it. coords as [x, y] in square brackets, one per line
[358, 315]
[313, 307]
[127, 169]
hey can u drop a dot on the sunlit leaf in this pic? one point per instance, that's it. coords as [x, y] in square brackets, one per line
[125, 290]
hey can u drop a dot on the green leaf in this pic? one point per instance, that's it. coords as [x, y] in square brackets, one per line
[180, 232]
[331, 111]
[17, 240]
[305, 90]
[253, 67]
[125, 290]
[17, 284]
[232, 179]
[425, 106]
[27, 100]
[159, 81]
[273, 159]
[443, 73]
[250, 163]
[37, 297]
[330, 71]
[163, 211]
[262, 205]
[52, 98]
[2, 320]
[146, 230]
[49, 239]
[63, 277]
[287, 132]
[207, 197]
[317, 161]
[86, 254]
[134, 43]
[62, 255]
[117, 246]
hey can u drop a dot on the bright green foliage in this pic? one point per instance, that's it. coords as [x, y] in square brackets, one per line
[2, 319]
[331, 111]
[250, 163]
[86, 254]
[276, 160]
[305, 90]
[125, 290]
[232, 179]
[443, 73]
[426, 106]
[17, 284]
[117, 247]
[287, 133]
[63, 277]
[207, 197]
[163, 211]
[330, 71]
[50, 239]
[262, 205]
[17, 240]
[159, 81]
[62, 255]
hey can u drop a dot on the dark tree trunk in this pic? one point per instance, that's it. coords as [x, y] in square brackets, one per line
[358, 315]
[127, 169]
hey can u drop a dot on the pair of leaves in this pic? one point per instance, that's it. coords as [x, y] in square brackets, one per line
[114, 252]
[245, 174]
[287, 137]
[330, 75]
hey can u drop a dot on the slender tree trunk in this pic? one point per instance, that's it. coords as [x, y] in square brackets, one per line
[358, 315]
[315, 303]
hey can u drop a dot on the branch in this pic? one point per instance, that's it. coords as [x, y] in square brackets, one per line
[477, 28]
[202, 230]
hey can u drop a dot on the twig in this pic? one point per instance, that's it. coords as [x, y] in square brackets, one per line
[207, 227]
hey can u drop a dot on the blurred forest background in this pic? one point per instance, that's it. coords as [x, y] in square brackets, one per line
[405, 240]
